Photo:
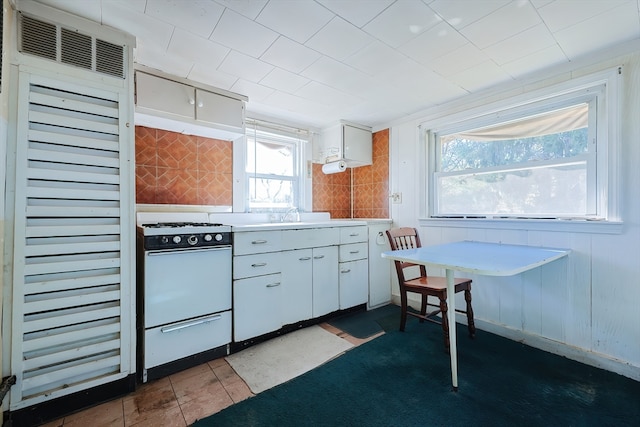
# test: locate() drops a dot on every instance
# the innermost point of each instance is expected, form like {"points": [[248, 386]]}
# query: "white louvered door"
{"points": [[72, 281]]}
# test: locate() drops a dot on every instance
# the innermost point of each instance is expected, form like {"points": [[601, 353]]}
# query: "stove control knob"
{"points": [[192, 240], [218, 237], [164, 240], [208, 237], [177, 239]]}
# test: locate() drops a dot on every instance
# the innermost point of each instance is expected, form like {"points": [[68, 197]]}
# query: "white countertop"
{"points": [[298, 225]]}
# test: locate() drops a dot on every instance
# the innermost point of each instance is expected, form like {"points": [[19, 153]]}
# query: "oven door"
{"points": [[184, 284]]}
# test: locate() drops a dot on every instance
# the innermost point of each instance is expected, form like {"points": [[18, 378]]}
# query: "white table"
{"points": [[491, 259]]}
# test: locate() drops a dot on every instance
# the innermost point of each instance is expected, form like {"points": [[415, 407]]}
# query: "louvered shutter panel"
{"points": [[71, 325]]}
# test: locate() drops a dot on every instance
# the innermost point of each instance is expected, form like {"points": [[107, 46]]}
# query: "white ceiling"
{"points": [[371, 62]]}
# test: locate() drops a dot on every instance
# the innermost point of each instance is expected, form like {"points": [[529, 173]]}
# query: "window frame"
{"points": [[605, 85], [299, 138]]}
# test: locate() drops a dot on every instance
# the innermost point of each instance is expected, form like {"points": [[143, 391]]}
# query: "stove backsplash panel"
{"points": [[173, 168]]}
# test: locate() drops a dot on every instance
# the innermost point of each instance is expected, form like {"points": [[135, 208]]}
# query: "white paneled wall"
{"points": [[584, 307]]}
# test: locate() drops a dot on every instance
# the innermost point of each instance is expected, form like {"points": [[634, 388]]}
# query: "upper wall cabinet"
{"points": [[181, 107], [346, 141]]}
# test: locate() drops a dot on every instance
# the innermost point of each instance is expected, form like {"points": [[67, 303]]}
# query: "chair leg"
{"points": [[403, 309], [445, 322], [470, 323], [423, 308]]}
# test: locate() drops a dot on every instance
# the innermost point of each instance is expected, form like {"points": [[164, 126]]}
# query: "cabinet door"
{"points": [[354, 283], [297, 289], [256, 306], [325, 280], [215, 109], [357, 145], [172, 99]]}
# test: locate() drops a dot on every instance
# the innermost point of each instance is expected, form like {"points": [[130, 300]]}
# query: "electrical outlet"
{"points": [[396, 197]]}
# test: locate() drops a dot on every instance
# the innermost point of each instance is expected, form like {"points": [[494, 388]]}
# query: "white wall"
{"points": [[585, 307]]}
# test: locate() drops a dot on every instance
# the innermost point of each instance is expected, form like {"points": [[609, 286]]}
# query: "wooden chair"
{"points": [[408, 238]]}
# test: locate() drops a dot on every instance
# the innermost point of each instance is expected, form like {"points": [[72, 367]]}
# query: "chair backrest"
{"points": [[404, 238]]}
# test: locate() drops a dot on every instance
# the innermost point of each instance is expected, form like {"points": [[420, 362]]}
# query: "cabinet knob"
{"points": [[200, 104], [192, 101]]}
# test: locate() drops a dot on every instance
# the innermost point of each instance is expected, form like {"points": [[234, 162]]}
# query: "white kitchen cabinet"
{"points": [[175, 104], [347, 141], [326, 285], [297, 285], [257, 306], [255, 242], [354, 267], [354, 283]]}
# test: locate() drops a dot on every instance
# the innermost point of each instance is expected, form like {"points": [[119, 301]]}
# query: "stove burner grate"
{"points": [[180, 224]]}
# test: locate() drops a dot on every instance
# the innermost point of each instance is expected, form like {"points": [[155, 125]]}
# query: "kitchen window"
{"points": [[272, 168], [547, 157]]}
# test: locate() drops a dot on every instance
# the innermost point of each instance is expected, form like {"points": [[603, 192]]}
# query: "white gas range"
{"points": [[184, 292]]}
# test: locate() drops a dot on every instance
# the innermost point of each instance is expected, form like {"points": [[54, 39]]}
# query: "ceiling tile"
{"points": [[537, 61], [245, 67], [460, 13], [255, 92], [148, 31], [303, 19], [290, 55], [401, 22], [250, 9], [375, 58], [358, 12], [242, 34], [89, 8], [159, 59], [481, 77], [527, 42], [200, 18], [284, 80], [339, 39], [463, 58], [614, 26], [188, 46], [564, 13], [335, 74], [327, 95], [208, 75], [505, 22], [433, 43]]}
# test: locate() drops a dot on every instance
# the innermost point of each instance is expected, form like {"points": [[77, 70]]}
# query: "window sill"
{"points": [[558, 225]]}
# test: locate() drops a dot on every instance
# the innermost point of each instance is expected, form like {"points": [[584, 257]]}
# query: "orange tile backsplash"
{"points": [[173, 168]]}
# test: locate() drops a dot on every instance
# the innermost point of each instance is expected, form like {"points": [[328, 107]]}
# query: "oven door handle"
{"points": [[196, 322], [179, 251]]}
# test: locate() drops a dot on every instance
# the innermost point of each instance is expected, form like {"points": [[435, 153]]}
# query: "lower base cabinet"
{"points": [[297, 286], [326, 283], [257, 306], [354, 283]]}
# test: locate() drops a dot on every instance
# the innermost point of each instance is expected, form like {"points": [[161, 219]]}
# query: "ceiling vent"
{"points": [[68, 46]]}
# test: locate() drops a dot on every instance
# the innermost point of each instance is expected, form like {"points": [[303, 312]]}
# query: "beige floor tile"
{"points": [[109, 414], [149, 401], [203, 369], [193, 387], [169, 418], [217, 362], [226, 374], [203, 406], [239, 391]]}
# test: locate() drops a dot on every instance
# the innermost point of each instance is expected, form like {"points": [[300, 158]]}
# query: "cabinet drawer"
{"points": [[174, 341], [256, 265], [353, 234], [255, 242], [310, 238], [353, 251]]}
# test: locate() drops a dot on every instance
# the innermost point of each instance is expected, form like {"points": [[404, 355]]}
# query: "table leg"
{"points": [[451, 313]]}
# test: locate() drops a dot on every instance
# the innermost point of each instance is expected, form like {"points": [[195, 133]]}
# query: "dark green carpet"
{"points": [[363, 324], [403, 379]]}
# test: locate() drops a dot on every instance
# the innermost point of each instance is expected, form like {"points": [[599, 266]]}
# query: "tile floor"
{"points": [[177, 400]]}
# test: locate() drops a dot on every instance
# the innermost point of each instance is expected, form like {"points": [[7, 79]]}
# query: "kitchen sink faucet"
{"points": [[285, 216]]}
